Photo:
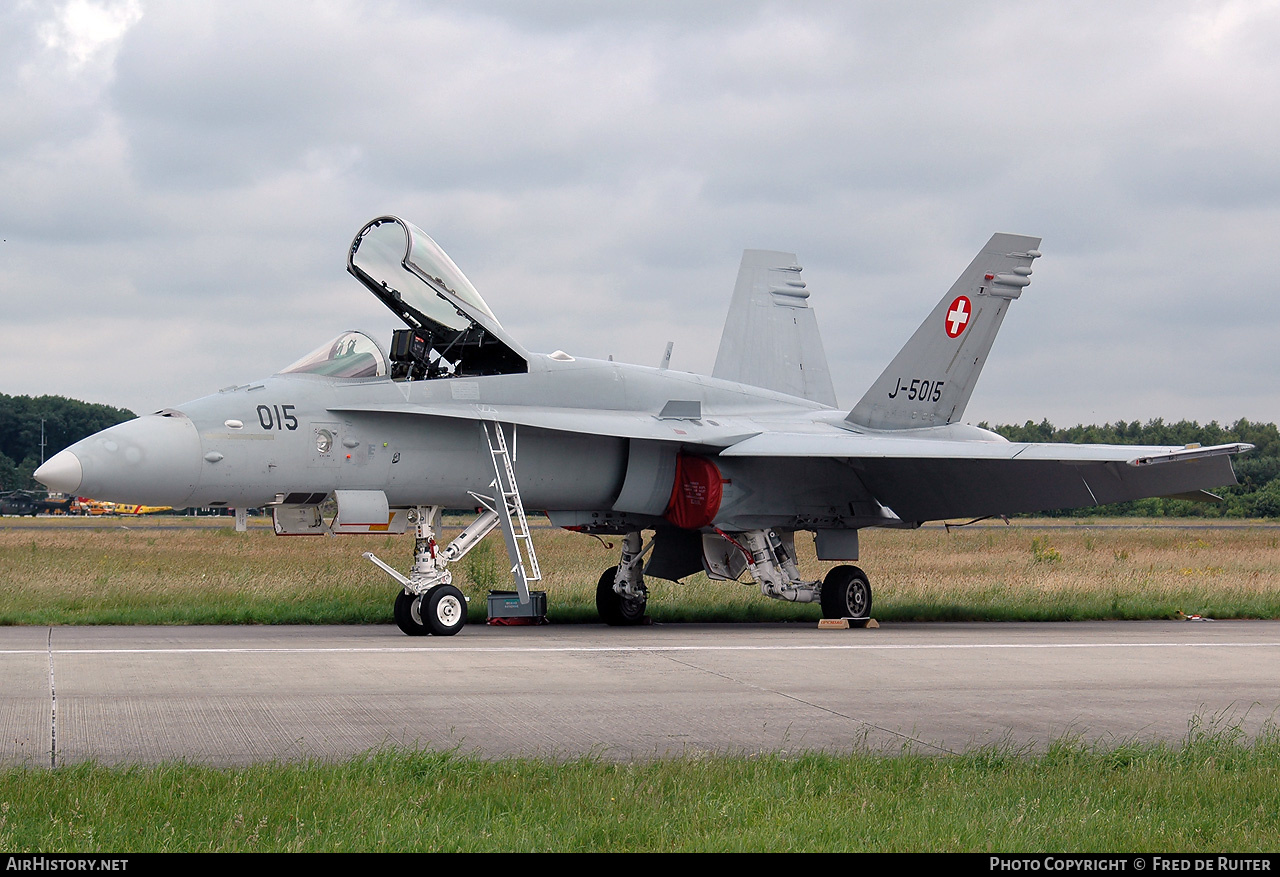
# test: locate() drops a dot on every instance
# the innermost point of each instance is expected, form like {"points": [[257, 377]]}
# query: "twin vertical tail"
{"points": [[770, 334], [931, 379]]}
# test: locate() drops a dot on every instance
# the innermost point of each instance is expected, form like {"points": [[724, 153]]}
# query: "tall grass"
{"points": [[207, 574]]}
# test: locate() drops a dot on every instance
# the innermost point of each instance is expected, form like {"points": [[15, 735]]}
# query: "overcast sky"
{"points": [[179, 183]]}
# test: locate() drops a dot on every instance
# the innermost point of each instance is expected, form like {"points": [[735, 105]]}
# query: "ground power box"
{"points": [[505, 608]]}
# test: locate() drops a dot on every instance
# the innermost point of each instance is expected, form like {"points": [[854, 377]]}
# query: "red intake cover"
{"points": [[695, 497]]}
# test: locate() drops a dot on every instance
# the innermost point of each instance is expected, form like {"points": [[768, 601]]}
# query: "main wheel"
{"points": [[408, 614], [613, 608], [444, 610], [846, 593]]}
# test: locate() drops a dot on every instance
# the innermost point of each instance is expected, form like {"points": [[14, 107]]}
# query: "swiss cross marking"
{"points": [[958, 316]]}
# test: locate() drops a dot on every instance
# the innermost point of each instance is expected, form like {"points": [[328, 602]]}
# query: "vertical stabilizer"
{"points": [[770, 335], [931, 379]]}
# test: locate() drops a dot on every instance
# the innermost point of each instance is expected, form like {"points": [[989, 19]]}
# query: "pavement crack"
{"points": [[817, 706], [53, 709]]}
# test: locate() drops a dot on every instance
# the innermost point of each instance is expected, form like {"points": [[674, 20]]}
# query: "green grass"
{"points": [[1215, 792], [205, 573]]}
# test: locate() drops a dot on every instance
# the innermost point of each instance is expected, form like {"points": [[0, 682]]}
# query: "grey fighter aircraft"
{"points": [[722, 470]]}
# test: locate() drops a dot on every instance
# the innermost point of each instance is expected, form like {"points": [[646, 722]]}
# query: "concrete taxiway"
{"points": [[236, 695]]}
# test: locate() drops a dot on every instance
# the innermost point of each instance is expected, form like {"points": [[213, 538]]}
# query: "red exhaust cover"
{"points": [[696, 495]]}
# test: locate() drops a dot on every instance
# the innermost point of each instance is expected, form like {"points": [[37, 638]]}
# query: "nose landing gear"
{"points": [[442, 611], [429, 602]]}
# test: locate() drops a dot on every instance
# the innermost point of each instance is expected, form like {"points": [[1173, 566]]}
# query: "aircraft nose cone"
{"points": [[150, 460], [61, 473]]}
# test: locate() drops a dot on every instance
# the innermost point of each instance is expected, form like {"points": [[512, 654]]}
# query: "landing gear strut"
{"points": [[621, 595], [770, 557], [429, 602]]}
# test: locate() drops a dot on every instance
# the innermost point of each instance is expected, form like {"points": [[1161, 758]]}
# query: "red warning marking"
{"points": [[958, 316]]}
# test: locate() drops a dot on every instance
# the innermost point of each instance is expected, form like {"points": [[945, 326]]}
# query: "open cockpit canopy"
{"points": [[451, 329]]}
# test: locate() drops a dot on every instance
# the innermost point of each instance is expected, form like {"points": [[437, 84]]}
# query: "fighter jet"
{"points": [[695, 473]]}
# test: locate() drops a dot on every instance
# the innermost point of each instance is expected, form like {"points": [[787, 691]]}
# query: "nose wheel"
{"points": [[408, 613], [442, 611]]}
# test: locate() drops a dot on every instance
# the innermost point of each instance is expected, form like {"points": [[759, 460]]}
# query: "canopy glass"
{"points": [[350, 355], [409, 273]]}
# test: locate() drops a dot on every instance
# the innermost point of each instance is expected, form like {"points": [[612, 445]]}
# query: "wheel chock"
{"points": [[843, 623]]}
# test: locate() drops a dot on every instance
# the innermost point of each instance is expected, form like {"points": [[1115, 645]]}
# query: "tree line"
{"points": [[1256, 496], [66, 421]]}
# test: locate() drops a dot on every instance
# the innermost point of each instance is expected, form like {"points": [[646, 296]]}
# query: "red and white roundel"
{"points": [[958, 315]]}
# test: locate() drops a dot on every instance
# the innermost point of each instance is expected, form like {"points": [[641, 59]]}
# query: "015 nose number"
{"points": [[283, 417]]}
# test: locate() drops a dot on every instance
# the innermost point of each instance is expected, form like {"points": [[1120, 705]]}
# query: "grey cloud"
{"points": [[597, 169]]}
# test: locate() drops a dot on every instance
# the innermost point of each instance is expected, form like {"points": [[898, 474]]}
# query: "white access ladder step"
{"points": [[515, 526]]}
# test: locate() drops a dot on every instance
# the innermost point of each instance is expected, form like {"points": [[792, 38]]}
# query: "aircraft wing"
{"points": [[619, 424], [928, 479]]}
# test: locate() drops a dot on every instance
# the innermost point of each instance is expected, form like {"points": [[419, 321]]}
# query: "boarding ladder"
{"points": [[515, 526]]}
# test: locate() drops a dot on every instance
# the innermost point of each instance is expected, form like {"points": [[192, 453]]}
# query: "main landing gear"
{"points": [[621, 595], [769, 555], [846, 593], [771, 559]]}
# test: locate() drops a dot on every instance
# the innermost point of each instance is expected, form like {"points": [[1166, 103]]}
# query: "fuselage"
{"points": [[577, 428]]}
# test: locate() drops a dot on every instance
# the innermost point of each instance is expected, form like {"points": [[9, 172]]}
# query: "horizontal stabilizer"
{"points": [[1196, 496], [770, 337], [931, 379]]}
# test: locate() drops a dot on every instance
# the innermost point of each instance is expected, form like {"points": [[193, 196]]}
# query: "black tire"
{"points": [[444, 610], [408, 614], [846, 593], [615, 611]]}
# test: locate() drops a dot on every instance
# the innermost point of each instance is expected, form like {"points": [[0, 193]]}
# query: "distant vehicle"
{"points": [[24, 502], [124, 509], [94, 507], [723, 469]]}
